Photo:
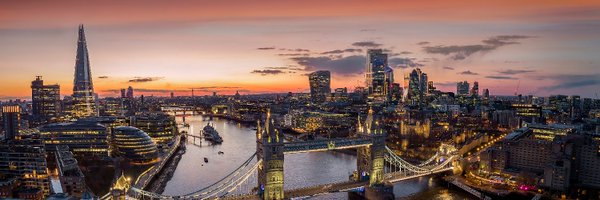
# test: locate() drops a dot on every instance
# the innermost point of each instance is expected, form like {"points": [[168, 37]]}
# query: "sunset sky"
{"points": [[544, 46]]}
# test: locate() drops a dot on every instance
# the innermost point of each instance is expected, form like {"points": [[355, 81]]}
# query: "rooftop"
{"points": [[73, 125]]}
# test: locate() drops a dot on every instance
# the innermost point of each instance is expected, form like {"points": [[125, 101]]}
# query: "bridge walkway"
{"points": [[324, 189]]}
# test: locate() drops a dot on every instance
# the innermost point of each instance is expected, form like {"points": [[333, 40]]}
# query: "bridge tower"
{"points": [[120, 187], [269, 149], [370, 160]]}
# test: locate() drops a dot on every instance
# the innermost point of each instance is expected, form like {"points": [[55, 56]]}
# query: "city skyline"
{"points": [[527, 47], [233, 99]]}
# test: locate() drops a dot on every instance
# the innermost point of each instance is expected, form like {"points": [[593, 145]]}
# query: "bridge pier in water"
{"points": [[371, 160]]}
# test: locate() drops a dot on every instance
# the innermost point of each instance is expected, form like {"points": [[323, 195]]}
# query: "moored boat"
{"points": [[211, 134]]}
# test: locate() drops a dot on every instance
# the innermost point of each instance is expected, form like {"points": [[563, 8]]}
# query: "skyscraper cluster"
{"points": [[462, 88]]}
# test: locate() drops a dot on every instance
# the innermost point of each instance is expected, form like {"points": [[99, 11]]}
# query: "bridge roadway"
{"points": [[325, 145], [474, 192], [324, 189], [336, 187], [309, 191], [394, 177]]}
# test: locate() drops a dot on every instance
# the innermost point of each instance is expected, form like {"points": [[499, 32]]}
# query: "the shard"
{"points": [[84, 104]]}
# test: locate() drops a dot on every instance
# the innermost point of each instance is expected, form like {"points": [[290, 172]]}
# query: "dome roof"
{"points": [[134, 144]]}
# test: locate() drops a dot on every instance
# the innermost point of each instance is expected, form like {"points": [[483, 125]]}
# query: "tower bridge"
{"points": [[377, 166]]}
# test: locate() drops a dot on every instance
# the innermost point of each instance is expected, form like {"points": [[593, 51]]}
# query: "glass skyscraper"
{"points": [[320, 86], [377, 62], [462, 88], [84, 104]]}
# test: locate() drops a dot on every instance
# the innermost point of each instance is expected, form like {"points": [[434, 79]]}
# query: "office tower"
{"points": [[486, 94], [589, 162], [586, 106], [529, 113], [375, 72], [83, 137], [396, 92], [123, 92], [26, 160], [111, 106], [45, 101], [559, 103], [389, 81], [417, 85], [462, 88], [130, 92], [159, 126], [11, 116], [575, 107], [84, 104], [430, 87], [405, 86], [475, 89], [319, 86], [173, 95], [423, 80]]}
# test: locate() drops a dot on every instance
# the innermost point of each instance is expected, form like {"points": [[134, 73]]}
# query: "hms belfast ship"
{"points": [[211, 134]]}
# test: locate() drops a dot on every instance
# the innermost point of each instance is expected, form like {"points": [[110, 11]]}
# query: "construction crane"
{"points": [[517, 90]]}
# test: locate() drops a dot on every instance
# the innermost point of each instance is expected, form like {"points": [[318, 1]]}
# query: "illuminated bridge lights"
{"points": [[396, 169], [325, 145]]}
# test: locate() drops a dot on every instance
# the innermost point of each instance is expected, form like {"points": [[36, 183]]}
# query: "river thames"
{"points": [[301, 170]]}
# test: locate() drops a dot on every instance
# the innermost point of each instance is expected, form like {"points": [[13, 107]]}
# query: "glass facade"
{"points": [[133, 144], [82, 137], [159, 126], [320, 86], [377, 61], [84, 103]]}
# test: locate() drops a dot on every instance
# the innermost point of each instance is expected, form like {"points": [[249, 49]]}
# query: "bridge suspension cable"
{"points": [[235, 178], [394, 159], [425, 167], [428, 161]]}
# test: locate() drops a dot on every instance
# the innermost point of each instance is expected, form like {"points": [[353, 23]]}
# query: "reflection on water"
{"points": [[301, 170]]}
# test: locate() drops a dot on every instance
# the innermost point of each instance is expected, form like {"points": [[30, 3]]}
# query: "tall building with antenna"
{"points": [[84, 104]]}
